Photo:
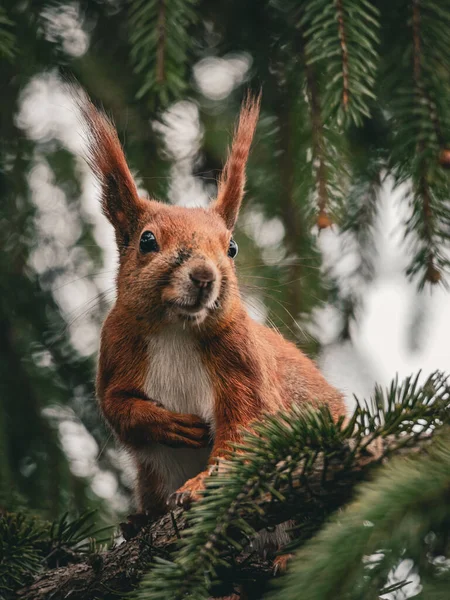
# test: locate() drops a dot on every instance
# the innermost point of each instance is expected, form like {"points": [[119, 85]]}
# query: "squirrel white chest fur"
{"points": [[176, 376], [178, 380]]}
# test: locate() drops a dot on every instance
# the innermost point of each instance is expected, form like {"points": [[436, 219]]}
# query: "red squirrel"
{"points": [[183, 367]]}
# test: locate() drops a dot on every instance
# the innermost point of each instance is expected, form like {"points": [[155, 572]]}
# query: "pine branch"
{"points": [[294, 464], [8, 47], [327, 155], [160, 44], [302, 451], [417, 78], [28, 544], [295, 221], [19, 556], [357, 240], [343, 39], [318, 147], [328, 151], [403, 515], [423, 191], [105, 575]]}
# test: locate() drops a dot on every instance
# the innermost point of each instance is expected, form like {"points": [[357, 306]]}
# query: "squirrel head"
{"points": [[176, 264]]}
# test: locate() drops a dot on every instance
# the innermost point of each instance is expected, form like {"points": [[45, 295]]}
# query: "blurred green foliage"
{"points": [[29, 545]]}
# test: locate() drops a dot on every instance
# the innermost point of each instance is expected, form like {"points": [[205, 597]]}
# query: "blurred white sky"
{"points": [[381, 345], [400, 330]]}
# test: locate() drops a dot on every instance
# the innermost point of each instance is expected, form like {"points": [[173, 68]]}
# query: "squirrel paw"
{"points": [[280, 563], [188, 493], [179, 500]]}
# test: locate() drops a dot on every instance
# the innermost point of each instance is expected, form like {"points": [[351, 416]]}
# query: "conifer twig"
{"points": [[160, 52], [318, 147], [399, 516], [343, 40]]}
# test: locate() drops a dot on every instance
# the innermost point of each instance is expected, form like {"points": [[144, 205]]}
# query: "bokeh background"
{"points": [[172, 75]]}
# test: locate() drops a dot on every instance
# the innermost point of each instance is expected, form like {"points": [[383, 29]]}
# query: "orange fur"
{"points": [[120, 201], [247, 369], [232, 181]]}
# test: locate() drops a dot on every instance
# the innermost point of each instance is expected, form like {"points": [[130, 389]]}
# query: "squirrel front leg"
{"points": [[229, 426], [138, 421]]}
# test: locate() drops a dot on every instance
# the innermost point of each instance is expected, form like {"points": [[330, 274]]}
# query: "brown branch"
{"points": [[290, 213], [119, 570], [433, 274], [416, 42], [160, 51], [318, 144], [421, 90], [344, 49]]}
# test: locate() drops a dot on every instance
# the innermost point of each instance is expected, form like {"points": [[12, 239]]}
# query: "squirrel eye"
{"points": [[148, 243], [232, 249]]}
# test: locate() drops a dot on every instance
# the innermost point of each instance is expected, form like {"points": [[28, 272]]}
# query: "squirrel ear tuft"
{"points": [[120, 201], [232, 181]]}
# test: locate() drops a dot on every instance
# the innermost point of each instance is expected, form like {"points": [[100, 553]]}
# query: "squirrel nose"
{"points": [[202, 276]]}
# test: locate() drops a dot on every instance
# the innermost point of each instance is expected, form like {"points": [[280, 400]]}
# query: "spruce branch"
{"points": [[357, 240], [19, 556], [359, 217], [318, 148], [28, 545], [299, 464], [420, 88], [160, 44], [403, 514], [285, 193], [423, 190], [8, 47], [326, 157], [327, 149], [298, 240], [295, 455], [160, 66], [343, 39], [419, 71]]}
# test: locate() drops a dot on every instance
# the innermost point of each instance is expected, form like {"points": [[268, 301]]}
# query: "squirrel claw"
{"points": [[280, 563], [188, 493], [179, 500]]}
